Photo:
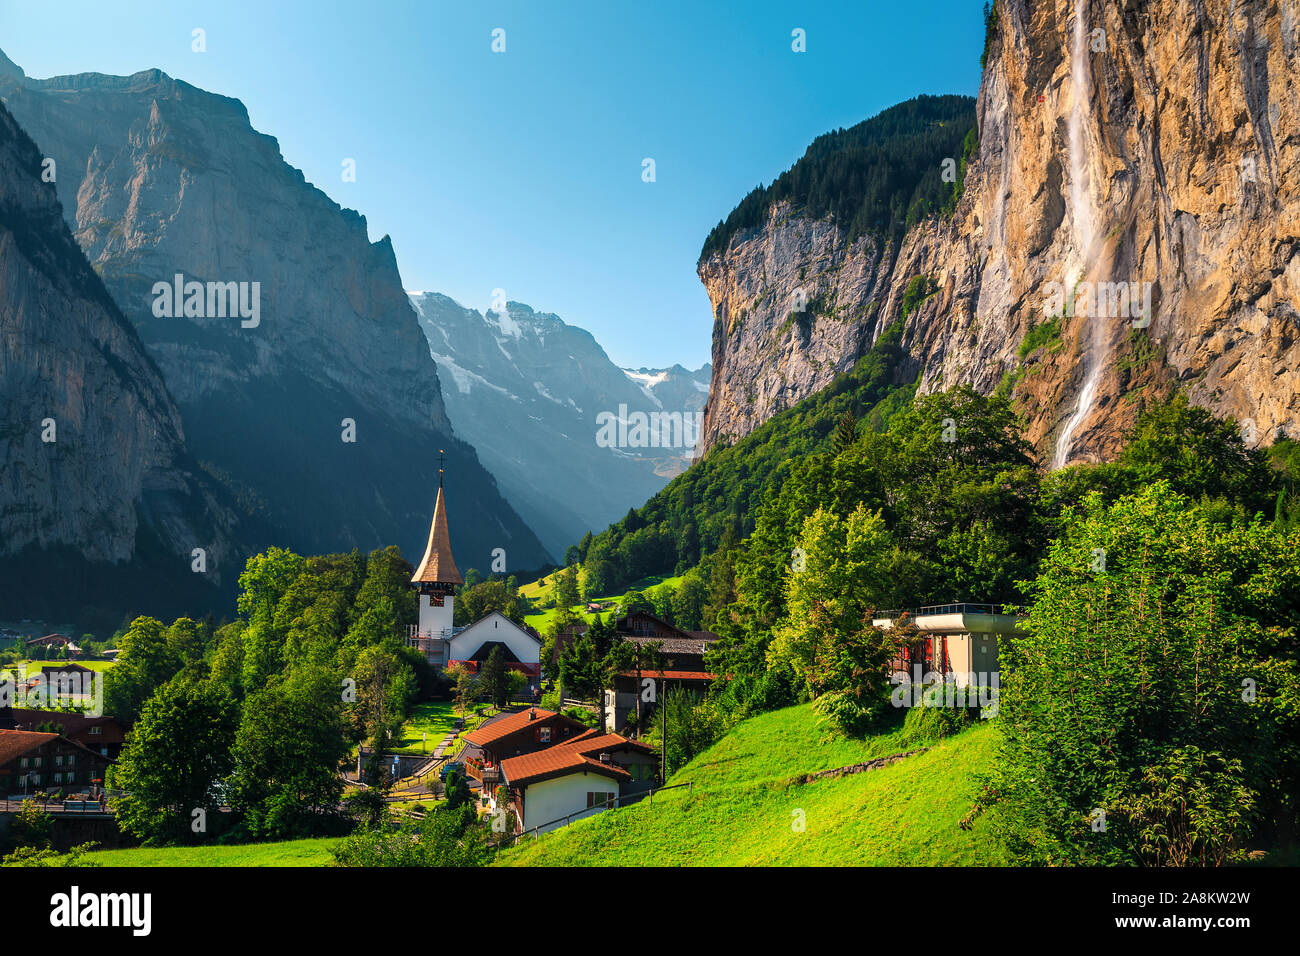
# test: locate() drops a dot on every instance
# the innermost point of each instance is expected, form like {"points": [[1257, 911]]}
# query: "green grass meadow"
{"points": [[314, 852], [745, 809], [540, 594]]}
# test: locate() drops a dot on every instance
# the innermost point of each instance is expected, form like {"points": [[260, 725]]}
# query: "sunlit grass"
{"points": [[745, 811], [312, 852]]}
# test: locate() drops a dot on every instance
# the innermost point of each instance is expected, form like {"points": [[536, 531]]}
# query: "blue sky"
{"points": [[522, 170]]}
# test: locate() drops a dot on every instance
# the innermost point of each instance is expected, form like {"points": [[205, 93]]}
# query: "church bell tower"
{"points": [[436, 577]]}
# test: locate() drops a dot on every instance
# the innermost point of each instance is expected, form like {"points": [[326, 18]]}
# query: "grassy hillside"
{"points": [[288, 853], [744, 804], [690, 517], [542, 593]]}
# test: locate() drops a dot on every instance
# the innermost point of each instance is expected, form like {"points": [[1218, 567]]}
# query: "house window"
{"points": [[22, 764], [58, 760], [599, 798], [544, 735], [97, 729]]}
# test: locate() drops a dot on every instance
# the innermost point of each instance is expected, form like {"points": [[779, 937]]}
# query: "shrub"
{"points": [[31, 826], [924, 725]]}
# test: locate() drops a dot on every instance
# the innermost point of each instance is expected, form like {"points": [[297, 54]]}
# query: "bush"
{"points": [[31, 826], [45, 857], [1151, 706], [923, 725], [446, 837]]}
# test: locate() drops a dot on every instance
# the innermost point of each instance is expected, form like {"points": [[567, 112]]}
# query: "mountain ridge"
{"points": [[1083, 171], [528, 390], [100, 490], [152, 169]]}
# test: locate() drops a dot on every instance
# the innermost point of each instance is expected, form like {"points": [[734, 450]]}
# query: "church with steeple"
{"points": [[436, 635]]}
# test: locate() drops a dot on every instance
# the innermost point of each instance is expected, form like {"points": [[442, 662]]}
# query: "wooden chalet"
{"points": [[568, 781], [522, 733]]}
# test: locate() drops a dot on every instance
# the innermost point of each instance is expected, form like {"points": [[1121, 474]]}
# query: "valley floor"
{"points": [[746, 808], [315, 852]]}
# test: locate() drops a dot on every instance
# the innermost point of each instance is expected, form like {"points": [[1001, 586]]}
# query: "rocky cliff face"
{"points": [[94, 472], [315, 400], [1152, 146], [794, 304], [528, 391]]}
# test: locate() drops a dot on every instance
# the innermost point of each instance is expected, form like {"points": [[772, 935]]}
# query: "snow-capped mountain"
{"points": [[676, 387], [531, 392]]}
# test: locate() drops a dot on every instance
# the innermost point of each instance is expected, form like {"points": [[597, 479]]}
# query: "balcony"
{"points": [[485, 772]]}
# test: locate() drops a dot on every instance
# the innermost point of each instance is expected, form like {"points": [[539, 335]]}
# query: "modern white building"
{"points": [[959, 642]]}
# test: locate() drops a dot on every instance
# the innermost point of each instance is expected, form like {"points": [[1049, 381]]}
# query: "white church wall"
{"points": [[496, 627]]}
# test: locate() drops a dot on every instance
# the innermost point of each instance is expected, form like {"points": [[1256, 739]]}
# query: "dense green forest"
{"points": [[876, 178], [716, 499], [1157, 682], [259, 713]]}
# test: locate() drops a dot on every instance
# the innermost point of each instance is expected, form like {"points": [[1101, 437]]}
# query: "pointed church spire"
{"points": [[438, 566]]}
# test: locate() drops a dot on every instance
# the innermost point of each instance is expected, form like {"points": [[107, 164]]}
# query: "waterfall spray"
{"points": [[1084, 226]]}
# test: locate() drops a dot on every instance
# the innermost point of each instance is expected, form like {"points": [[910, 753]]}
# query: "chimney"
{"points": [[532, 714]]}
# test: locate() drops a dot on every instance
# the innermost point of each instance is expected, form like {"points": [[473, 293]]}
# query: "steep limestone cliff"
{"points": [[95, 478], [159, 178], [1154, 146]]}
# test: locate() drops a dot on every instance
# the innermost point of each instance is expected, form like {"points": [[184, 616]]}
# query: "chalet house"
{"points": [[682, 650], [31, 761], [523, 733], [569, 781], [55, 642], [68, 679], [103, 735]]}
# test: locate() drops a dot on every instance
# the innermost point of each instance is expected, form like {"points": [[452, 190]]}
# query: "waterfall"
{"points": [[1084, 226]]}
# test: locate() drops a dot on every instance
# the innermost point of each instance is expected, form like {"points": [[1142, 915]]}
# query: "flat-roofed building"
{"points": [[959, 642]]}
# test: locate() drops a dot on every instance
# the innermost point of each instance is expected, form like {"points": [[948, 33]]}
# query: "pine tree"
{"points": [[846, 432]]}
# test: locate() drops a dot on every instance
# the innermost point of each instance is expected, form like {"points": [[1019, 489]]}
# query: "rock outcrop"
{"points": [[1154, 148], [96, 482], [322, 412]]}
